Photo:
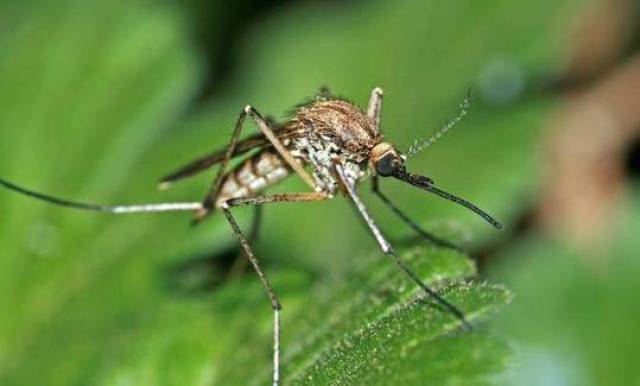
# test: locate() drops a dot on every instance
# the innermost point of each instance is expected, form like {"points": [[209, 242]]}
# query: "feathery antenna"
{"points": [[422, 143]]}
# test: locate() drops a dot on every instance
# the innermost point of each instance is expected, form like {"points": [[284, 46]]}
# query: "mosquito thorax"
{"points": [[329, 132], [339, 123], [384, 159]]}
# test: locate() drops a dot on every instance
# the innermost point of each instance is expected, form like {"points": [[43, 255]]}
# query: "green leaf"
{"points": [[370, 323], [89, 91], [389, 332]]}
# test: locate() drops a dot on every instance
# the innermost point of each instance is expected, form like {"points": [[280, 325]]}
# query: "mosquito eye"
{"points": [[387, 165]]}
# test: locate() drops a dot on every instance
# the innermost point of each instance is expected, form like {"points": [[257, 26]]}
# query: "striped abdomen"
{"points": [[253, 175]]}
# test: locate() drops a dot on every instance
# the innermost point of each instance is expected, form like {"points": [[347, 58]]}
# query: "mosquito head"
{"points": [[385, 160]]}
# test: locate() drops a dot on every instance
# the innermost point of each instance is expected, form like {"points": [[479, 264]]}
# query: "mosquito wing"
{"points": [[257, 141]]}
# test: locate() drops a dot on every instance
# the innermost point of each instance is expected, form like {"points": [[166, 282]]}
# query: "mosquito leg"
{"points": [[113, 209], [283, 151], [421, 232], [239, 264], [211, 196], [387, 249], [273, 198], [375, 107], [248, 251], [273, 298]]}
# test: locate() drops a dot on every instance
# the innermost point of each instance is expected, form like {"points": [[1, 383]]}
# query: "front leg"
{"points": [[388, 250], [375, 186]]}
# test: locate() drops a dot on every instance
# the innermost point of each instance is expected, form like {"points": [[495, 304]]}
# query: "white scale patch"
{"points": [[320, 153], [246, 183]]}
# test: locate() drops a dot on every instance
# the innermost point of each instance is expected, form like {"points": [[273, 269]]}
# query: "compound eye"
{"points": [[388, 164]]}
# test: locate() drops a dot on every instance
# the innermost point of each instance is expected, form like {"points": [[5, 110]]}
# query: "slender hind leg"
{"points": [[248, 251], [113, 209]]}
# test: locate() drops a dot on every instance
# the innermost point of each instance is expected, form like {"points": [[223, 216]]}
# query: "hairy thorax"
{"points": [[335, 131]]}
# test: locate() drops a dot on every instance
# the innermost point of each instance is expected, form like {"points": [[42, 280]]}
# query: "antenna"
{"points": [[422, 143], [118, 209]]}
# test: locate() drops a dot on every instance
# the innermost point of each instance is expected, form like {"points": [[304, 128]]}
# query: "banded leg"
{"points": [[113, 209], [248, 251], [209, 201], [239, 263], [387, 249], [421, 232], [375, 108]]}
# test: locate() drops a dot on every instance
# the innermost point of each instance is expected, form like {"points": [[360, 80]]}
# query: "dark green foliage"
{"points": [[97, 103], [387, 335]]}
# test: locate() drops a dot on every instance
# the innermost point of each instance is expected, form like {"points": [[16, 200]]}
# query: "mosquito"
{"points": [[332, 145]]}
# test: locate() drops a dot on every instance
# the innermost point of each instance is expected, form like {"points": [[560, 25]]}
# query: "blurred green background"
{"points": [[98, 99]]}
